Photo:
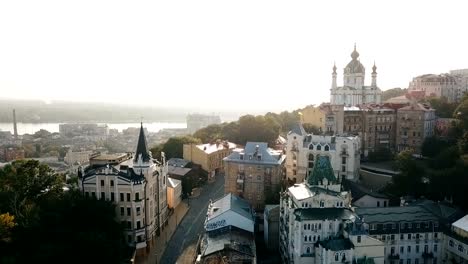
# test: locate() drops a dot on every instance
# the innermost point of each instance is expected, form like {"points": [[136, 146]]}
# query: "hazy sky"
{"points": [[241, 55]]}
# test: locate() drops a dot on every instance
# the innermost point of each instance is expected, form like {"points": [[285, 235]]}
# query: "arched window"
{"points": [[320, 226], [310, 238], [305, 238], [327, 148], [319, 147], [308, 250], [336, 256], [305, 227], [311, 146], [322, 204], [341, 204], [308, 226], [314, 238]]}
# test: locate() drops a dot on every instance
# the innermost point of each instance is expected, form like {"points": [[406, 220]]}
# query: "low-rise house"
{"points": [[174, 192], [457, 241], [187, 176], [363, 197], [229, 232], [209, 156]]}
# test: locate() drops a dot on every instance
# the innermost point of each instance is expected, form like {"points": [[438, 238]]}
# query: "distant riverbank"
{"points": [[31, 128]]}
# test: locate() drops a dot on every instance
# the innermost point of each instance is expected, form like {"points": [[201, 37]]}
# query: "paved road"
{"points": [[192, 225]]}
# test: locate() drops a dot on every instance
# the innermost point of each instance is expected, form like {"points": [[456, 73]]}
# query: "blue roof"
{"points": [[257, 153]]}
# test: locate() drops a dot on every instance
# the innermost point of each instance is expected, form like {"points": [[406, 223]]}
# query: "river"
{"points": [[31, 128]]}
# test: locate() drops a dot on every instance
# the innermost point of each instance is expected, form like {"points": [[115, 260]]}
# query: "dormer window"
{"points": [[259, 157]]}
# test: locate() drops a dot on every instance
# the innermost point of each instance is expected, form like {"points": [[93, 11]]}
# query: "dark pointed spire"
{"points": [[334, 68], [374, 68], [355, 54], [142, 147]]}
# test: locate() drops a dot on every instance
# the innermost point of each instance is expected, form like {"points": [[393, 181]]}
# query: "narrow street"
{"points": [[192, 225]]}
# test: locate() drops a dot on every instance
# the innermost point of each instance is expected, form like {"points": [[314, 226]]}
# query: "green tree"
{"points": [[174, 147], [23, 184], [390, 93], [410, 179], [7, 223], [442, 106], [210, 133], [461, 113], [463, 143], [447, 158], [433, 146]]}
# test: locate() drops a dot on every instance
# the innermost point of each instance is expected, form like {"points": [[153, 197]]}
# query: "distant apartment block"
{"points": [[198, 121], [11, 153], [76, 129], [451, 85]]}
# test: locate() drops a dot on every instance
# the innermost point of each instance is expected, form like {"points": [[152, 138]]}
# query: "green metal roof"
{"points": [[322, 170]]}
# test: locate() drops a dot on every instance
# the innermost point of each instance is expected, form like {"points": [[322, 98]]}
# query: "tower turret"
{"points": [[374, 76], [334, 77]]}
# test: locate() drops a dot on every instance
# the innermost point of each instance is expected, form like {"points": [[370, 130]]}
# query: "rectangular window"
{"points": [[417, 248], [112, 197], [138, 210], [359, 239], [129, 225], [122, 211], [138, 225], [408, 261], [128, 197], [402, 249], [129, 211], [409, 236], [93, 194], [103, 195], [402, 237], [102, 182], [137, 196], [121, 197], [436, 235], [86, 194], [408, 249], [435, 247], [112, 182]]}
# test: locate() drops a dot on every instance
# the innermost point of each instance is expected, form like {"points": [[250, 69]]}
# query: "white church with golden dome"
{"points": [[354, 92]]}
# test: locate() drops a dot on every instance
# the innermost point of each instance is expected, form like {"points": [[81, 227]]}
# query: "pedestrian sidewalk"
{"points": [[156, 252]]}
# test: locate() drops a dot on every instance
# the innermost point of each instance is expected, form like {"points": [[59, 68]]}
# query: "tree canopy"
{"points": [[42, 223]]}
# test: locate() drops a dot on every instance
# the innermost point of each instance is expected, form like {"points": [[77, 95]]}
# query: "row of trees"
{"points": [[42, 223], [260, 128], [443, 175]]}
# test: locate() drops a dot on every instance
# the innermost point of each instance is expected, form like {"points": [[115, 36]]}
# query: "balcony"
{"points": [[394, 256], [427, 255]]}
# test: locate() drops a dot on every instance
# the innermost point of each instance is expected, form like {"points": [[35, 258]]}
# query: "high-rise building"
{"points": [[354, 92]]}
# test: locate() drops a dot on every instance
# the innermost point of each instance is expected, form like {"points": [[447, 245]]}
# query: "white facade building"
{"points": [[302, 150], [137, 186], [354, 92], [317, 224]]}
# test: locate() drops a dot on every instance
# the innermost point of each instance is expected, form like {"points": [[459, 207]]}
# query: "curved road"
{"points": [[192, 225]]}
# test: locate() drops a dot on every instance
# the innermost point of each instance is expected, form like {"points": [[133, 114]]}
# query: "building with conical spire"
{"points": [[354, 92], [136, 184]]}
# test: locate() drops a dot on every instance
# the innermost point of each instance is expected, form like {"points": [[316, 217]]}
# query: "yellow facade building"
{"points": [[209, 156]]}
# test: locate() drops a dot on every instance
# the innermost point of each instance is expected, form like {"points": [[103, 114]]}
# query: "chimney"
{"points": [[15, 129]]}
